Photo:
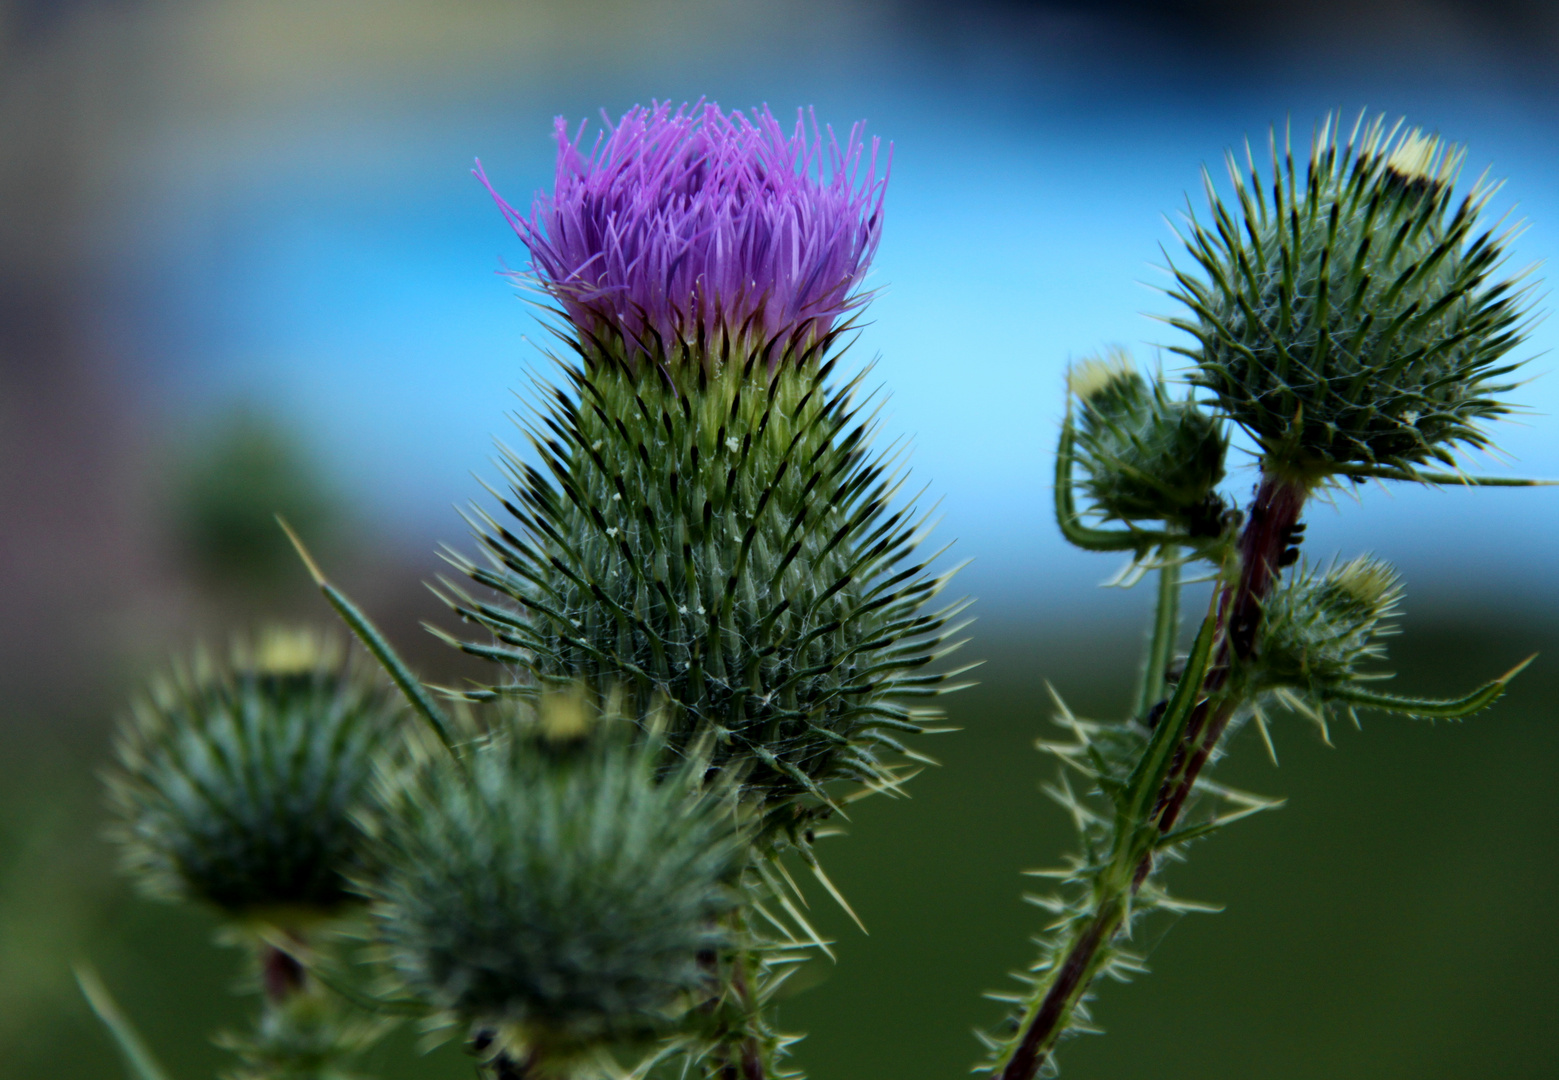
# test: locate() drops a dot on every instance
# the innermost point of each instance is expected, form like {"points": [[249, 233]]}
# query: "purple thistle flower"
{"points": [[697, 226]]}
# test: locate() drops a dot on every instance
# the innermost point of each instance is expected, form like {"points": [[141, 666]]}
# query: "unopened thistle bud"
{"points": [[1145, 456], [709, 524], [1353, 323], [310, 1036], [237, 783], [1319, 627], [558, 894]]}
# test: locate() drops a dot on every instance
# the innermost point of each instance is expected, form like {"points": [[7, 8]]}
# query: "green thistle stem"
{"points": [[746, 1052], [1072, 980], [1269, 529], [1166, 627], [745, 1056]]}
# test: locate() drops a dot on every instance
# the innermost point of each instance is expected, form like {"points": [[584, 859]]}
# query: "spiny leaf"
{"points": [[1146, 779], [138, 1058], [375, 642], [1432, 708]]}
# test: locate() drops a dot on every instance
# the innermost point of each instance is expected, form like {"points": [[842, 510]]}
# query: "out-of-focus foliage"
{"points": [[230, 483], [934, 877]]}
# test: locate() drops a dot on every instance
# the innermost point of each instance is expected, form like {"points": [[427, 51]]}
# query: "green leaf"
{"points": [[138, 1058], [1422, 476], [376, 643], [1148, 776], [1431, 708]]}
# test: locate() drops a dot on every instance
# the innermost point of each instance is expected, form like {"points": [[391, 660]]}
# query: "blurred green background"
{"points": [[1394, 920], [243, 269]]}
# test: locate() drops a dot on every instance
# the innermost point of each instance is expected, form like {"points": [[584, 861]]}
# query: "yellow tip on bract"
{"points": [[1417, 156], [564, 716], [1365, 580], [283, 650], [1088, 377]]}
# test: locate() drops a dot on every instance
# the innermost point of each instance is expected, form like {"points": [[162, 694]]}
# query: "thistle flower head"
{"points": [[237, 783], [694, 225], [1144, 455], [558, 893], [1354, 321], [709, 526]]}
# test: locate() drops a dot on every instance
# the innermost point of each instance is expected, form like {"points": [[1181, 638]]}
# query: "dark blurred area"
{"points": [[1394, 920], [1513, 26]]}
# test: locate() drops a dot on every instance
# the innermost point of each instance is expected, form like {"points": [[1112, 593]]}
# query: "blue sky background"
{"points": [[335, 264]]}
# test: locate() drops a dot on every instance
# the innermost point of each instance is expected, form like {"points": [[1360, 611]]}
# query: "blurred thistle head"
{"points": [[228, 485], [1353, 317], [237, 783], [311, 1035], [559, 893], [1318, 627], [694, 226], [1144, 455]]}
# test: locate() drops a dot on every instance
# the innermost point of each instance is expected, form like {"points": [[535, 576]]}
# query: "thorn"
{"points": [[817, 871], [1266, 736], [303, 552]]}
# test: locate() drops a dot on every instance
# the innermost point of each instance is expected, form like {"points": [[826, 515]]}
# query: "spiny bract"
{"points": [[1145, 456], [726, 541], [237, 784], [553, 886], [1354, 325]]}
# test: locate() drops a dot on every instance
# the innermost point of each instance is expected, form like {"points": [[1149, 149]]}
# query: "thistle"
{"points": [[709, 523], [237, 784], [552, 889], [1355, 324], [707, 609], [1318, 627], [698, 227], [1352, 329], [1144, 456]]}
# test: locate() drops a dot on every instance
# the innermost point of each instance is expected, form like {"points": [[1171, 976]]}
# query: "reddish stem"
{"points": [[1052, 1012], [752, 1055], [1269, 528], [280, 974]]}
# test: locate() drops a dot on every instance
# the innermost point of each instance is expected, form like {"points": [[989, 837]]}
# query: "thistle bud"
{"points": [[709, 525], [1145, 456], [237, 783], [311, 1036], [1353, 323], [1319, 627], [560, 899]]}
